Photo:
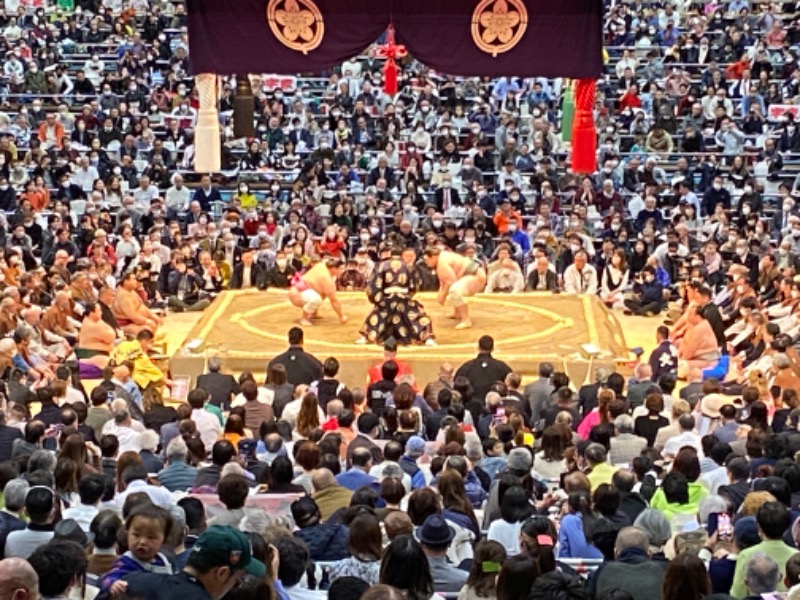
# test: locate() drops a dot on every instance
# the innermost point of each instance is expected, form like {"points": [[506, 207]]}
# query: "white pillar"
{"points": [[207, 141]]}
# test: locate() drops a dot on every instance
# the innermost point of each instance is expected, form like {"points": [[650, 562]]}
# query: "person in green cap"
{"points": [[218, 562]]}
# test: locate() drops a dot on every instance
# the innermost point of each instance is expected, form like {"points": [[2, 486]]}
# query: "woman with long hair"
{"points": [[74, 448], [283, 390], [686, 579], [308, 417], [234, 430], [614, 280], [66, 477], [537, 539], [456, 504], [598, 415], [404, 566], [549, 463], [516, 578], [515, 508], [573, 536], [365, 545], [482, 581], [125, 460]]}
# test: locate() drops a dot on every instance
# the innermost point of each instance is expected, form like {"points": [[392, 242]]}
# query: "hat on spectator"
{"points": [[435, 531], [711, 404], [415, 446], [520, 459], [745, 532], [223, 546], [304, 509], [69, 530], [508, 161]]}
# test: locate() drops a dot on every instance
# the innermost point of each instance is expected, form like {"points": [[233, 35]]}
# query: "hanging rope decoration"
{"points": [[568, 111], [390, 51], [584, 133]]}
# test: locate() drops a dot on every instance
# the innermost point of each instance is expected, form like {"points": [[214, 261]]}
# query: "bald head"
{"points": [[632, 537], [18, 580], [322, 479]]}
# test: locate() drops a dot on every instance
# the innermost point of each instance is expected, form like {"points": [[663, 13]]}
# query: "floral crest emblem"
{"points": [[297, 24], [498, 25]]}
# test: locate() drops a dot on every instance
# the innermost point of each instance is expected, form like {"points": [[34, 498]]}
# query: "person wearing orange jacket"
{"points": [[506, 215], [51, 132]]}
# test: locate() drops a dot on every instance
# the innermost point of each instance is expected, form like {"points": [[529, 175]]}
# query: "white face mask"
{"points": [[741, 251], [575, 248], [436, 223], [745, 210], [717, 186], [374, 230]]}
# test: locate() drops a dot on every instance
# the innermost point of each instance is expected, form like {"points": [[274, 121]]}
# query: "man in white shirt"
{"points": [[687, 437], [208, 426], [123, 427], [177, 197], [580, 277], [135, 480], [91, 489], [85, 175], [145, 193]]}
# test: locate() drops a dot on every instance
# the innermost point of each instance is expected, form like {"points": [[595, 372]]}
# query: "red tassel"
{"points": [[390, 51], [390, 77], [584, 133]]}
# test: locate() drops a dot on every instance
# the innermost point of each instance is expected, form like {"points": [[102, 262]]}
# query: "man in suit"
{"points": [[368, 430], [679, 408], [382, 171], [206, 194], [248, 274], [446, 197], [542, 278], [220, 387], [780, 219], [539, 392], [693, 392], [7, 437], [14, 495], [644, 381], [587, 394]]}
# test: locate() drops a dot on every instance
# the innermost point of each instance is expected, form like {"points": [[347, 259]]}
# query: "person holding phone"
{"points": [[720, 555]]}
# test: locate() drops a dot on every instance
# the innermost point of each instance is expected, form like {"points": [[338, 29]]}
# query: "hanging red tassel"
{"points": [[390, 51], [584, 133], [390, 77]]}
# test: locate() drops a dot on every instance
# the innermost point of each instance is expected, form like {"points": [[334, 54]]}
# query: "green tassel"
{"points": [[567, 113]]}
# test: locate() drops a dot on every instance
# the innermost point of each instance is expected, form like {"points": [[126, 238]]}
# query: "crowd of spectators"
{"points": [[472, 485]]}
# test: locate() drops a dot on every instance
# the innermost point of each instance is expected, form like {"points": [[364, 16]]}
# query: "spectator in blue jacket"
{"points": [[415, 447], [325, 541], [650, 293]]}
